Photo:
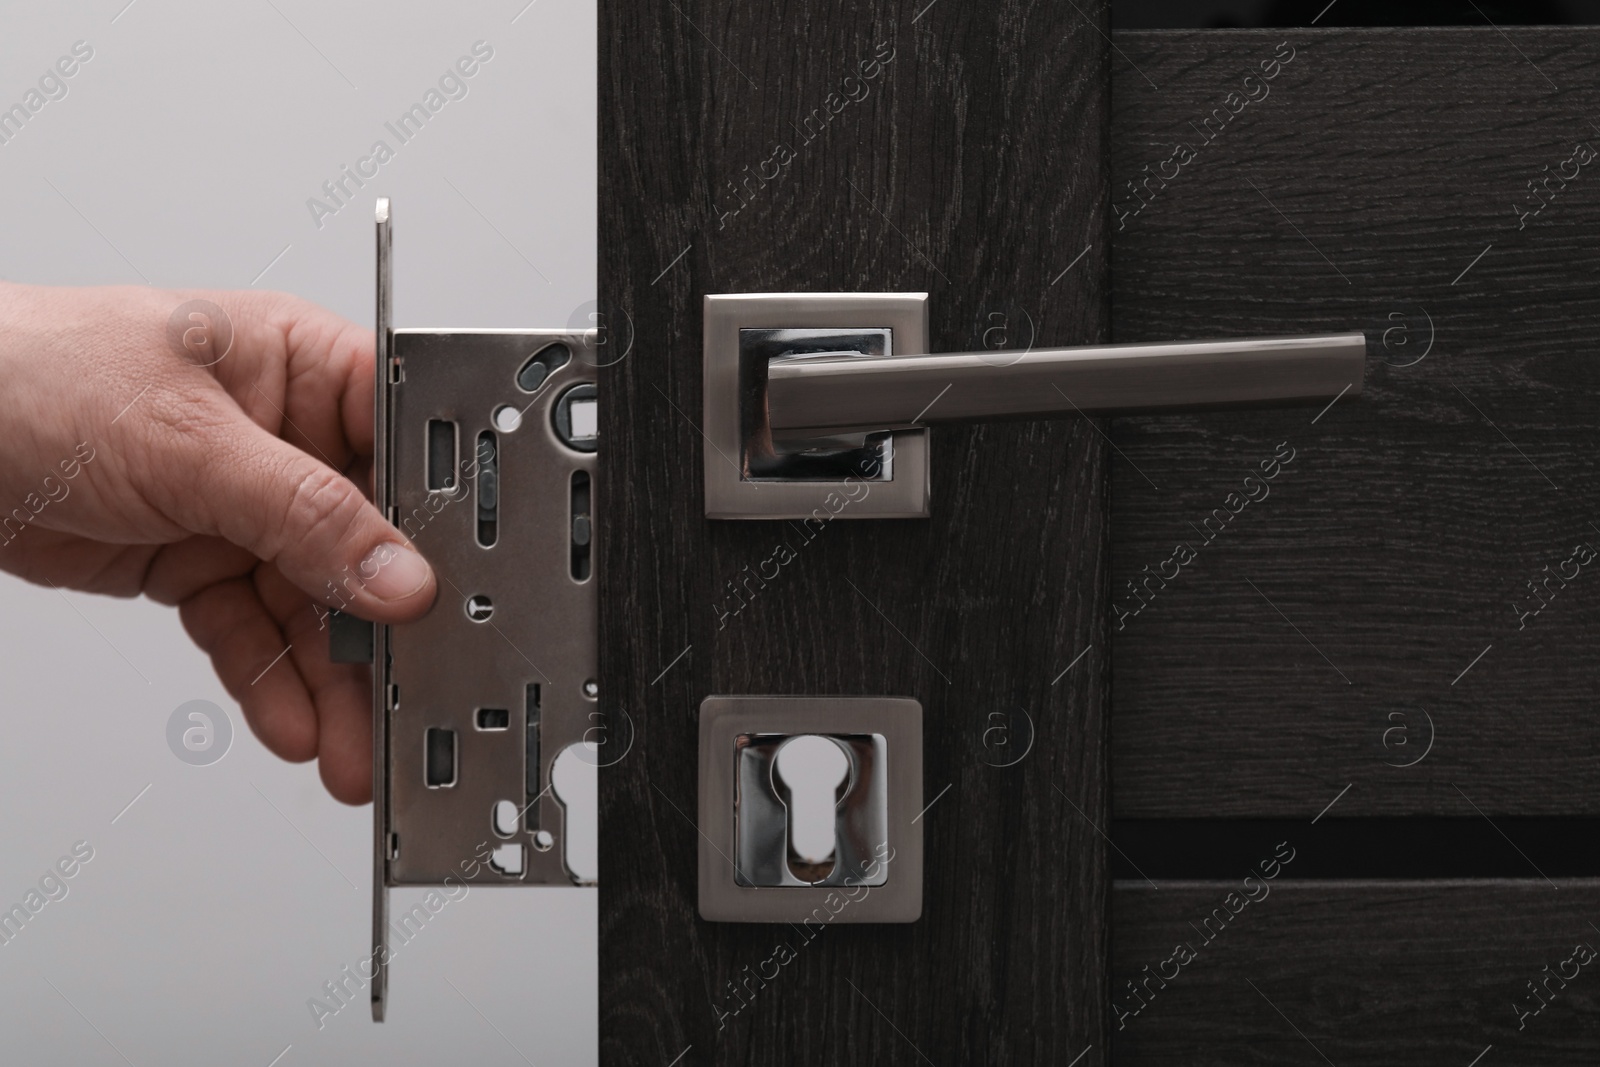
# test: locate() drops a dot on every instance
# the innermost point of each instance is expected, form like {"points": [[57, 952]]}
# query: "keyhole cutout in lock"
{"points": [[812, 777]]}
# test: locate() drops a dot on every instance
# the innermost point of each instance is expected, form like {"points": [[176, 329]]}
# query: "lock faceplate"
{"points": [[746, 873]]}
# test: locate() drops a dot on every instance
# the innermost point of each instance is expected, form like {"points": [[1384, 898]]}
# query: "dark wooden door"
{"points": [[953, 149], [1384, 655], [1342, 660]]}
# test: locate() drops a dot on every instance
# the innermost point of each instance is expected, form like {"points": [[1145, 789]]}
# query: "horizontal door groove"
{"points": [[1360, 848]]}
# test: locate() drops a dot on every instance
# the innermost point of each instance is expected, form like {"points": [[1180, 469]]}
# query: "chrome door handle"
{"points": [[816, 404], [826, 395]]}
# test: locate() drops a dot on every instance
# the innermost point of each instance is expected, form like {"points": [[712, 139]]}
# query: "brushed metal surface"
{"points": [[380, 637], [817, 396], [762, 820], [897, 721], [543, 625], [730, 490], [438, 671]]}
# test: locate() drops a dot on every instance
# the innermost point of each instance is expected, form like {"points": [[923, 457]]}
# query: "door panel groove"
{"points": [[1370, 848], [1361, 665]]}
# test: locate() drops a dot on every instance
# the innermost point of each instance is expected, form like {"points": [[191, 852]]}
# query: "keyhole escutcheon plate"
{"points": [[767, 852]]}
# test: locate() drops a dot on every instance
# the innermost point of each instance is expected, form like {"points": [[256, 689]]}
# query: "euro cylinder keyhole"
{"points": [[812, 778]]}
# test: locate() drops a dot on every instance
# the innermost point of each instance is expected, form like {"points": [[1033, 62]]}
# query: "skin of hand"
{"points": [[146, 449]]}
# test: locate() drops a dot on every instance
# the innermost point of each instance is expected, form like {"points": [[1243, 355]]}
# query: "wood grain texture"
{"points": [[1376, 178], [1355, 973], [972, 166]]}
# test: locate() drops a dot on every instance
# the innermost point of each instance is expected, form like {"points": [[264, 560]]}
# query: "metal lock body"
{"points": [[489, 687], [485, 459]]}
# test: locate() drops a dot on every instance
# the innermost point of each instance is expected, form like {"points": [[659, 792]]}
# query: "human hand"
{"points": [[210, 469]]}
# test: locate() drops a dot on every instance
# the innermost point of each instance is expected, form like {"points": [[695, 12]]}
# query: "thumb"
{"points": [[242, 483]]}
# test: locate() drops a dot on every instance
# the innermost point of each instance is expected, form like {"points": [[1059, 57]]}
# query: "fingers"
{"points": [[340, 692], [223, 475], [54, 558], [301, 370], [181, 570], [303, 373], [183, 451], [231, 625], [268, 647], [343, 697]]}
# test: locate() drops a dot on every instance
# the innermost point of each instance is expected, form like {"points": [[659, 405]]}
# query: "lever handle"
{"points": [[822, 395]]}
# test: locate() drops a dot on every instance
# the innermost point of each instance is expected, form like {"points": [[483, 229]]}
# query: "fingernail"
{"points": [[393, 571]]}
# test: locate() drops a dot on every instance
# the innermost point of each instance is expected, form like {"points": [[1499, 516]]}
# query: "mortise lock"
{"points": [[484, 458], [816, 403]]}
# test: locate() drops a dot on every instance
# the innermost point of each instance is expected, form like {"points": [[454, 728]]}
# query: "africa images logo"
{"points": [[199, 733], [52, 887]]}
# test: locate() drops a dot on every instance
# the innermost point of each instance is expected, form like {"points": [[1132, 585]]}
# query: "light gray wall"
{"points": [[183, 155]]}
